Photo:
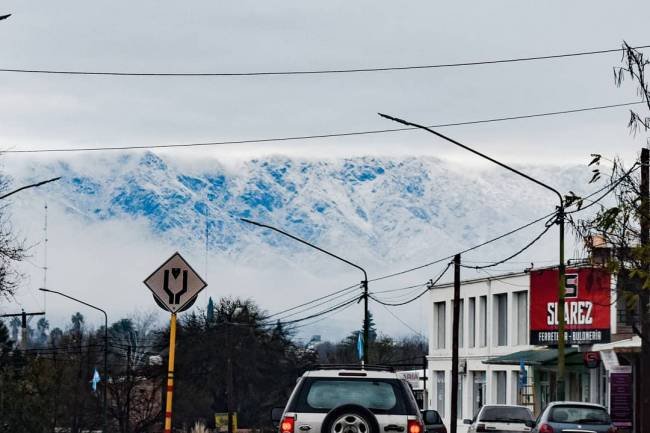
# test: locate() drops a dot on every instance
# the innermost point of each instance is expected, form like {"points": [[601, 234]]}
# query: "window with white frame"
{"points": [[501, 381], [471, 322], [482, 321], [440, 392], [501, 316], [461, 322], [521, 311], [439, 309]]}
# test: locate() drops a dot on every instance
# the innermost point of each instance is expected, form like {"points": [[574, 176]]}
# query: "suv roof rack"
{"points": [[350, 367]]}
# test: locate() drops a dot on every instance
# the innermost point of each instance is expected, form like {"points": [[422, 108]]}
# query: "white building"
{"points": [[495, 356]]}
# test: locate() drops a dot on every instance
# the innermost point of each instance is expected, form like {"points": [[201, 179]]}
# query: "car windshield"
{"points": [[579, 415], [505, 414]]}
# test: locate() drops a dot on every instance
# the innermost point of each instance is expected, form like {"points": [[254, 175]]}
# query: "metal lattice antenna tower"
{"points": [[45, 240], [207, 239]]}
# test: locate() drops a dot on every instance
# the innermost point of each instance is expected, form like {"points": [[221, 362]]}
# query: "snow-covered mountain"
{"points": [[392, 210], [114, 218]]}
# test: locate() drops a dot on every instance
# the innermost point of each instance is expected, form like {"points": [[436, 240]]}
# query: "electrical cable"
{"points": [[293, 328], [316, 136], [401, 296], [402, 322], [530, 244], [341, 305], [610, 187], [416, 268], [284, 317], [312, 301], [431, 284], [314, 72]]}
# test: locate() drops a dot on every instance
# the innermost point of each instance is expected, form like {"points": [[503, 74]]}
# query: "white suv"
{"points": [[335, 399]]}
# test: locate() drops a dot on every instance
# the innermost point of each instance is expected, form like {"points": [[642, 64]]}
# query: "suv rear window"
{"points": [[579, 414], [381, 396], [505, 413]]}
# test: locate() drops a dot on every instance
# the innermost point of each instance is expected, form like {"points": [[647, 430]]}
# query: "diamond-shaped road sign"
{"points": [[175, 283]]}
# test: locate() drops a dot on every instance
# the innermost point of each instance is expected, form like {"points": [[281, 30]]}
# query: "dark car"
{"points": [[433, 422], [570, 416]]}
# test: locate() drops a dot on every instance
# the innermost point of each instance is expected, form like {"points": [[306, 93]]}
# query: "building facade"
{"points": [[497, 363]]}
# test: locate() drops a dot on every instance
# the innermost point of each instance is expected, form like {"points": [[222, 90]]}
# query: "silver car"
{"points": [[574, 417], [501, 418], [350, 400]]}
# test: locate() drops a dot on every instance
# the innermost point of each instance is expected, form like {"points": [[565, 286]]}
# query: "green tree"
{"points": [[263, 360]]}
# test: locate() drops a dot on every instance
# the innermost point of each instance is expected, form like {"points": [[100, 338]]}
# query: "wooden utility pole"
{"points": [[24, 335], [644, 294], [453, 417]]}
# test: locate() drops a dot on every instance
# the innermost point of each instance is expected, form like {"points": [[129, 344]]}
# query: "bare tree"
{"points": [[622, 226], [11, 249]]}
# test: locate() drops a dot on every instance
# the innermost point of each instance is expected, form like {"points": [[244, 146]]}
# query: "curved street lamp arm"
{"points": [[482, 155], [78, 300], [34, 185], [365, 275]]}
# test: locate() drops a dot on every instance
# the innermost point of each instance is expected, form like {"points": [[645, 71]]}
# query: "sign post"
{"points": [[174, 286], [170, 374]]}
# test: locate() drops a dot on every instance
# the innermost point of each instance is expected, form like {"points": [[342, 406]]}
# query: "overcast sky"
{"points": [[45, 111], [54, 111]]}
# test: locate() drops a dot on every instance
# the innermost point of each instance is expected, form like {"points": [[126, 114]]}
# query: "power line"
{"points": [[325, 135], [402, 322], [314, 71], [312, 301], [434, 262], [528, 245], [430, 284], [293, 328], [312, 316], [284, 317]]}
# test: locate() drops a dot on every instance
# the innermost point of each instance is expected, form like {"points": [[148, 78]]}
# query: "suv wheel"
{"points": [[350, 418]]}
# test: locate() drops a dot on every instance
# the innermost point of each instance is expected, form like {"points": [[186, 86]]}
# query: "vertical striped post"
{"points": [[170, 374]]}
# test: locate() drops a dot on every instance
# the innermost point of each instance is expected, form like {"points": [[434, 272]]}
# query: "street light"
{"points": [[33, 185], [364, 283], [105, 348], [560, 213]]}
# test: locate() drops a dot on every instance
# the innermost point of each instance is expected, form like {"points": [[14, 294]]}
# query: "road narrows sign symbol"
{"points": [[175, 283]]}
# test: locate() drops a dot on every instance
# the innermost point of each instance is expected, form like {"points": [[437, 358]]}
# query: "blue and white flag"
{"points": [[360, 345], [95, 380]]}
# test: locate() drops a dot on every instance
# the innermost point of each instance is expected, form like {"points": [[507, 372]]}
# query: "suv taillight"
{"points": [[286, 426], [545, 428], [414, 426]]}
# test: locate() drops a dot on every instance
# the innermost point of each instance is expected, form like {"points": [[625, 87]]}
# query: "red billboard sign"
{"points": [[587, 306]]}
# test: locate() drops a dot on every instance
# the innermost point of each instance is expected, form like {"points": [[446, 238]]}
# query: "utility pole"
{"points": [[364, 283], [453, 418], [24, 335], [105, 409], [229, 381], [560, 222], [129, 387], [644, 295]]}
